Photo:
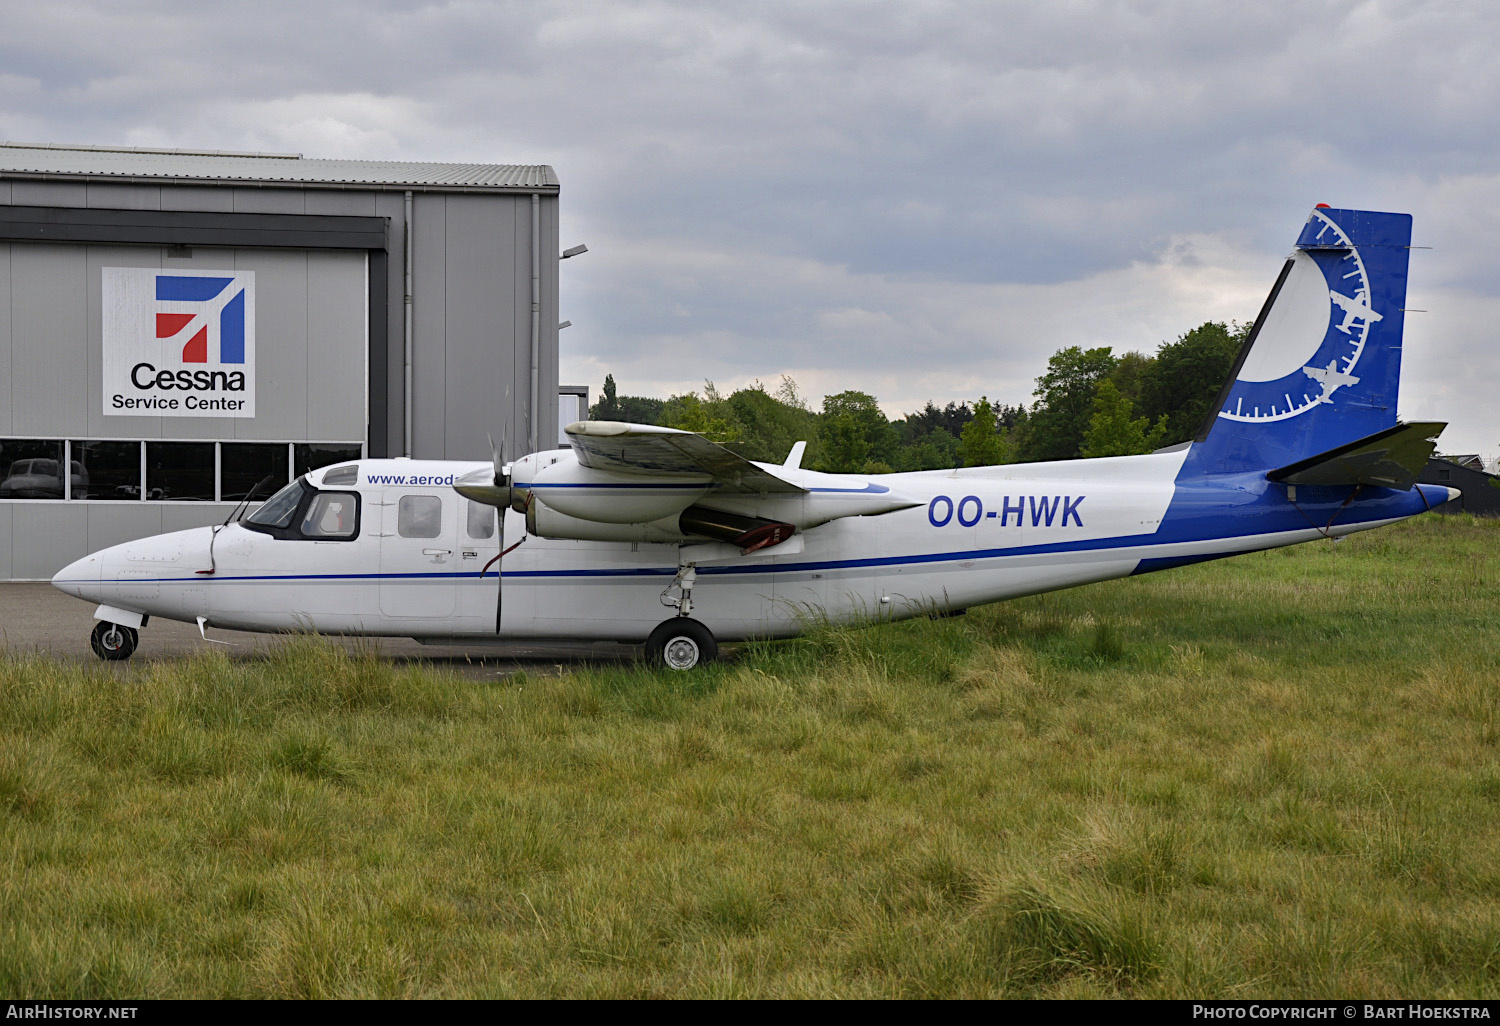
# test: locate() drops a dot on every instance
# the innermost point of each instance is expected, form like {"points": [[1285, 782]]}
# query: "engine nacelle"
{"points": [[545, 522], [610, 498]]}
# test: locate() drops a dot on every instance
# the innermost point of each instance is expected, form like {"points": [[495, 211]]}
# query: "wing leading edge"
{"points": [[647, 449]]}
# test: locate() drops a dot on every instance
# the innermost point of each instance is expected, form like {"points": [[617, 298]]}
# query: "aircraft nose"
{"points": [[80, 578]]}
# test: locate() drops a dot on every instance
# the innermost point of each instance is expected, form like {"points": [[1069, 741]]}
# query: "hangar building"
{"points": [[177, 327]]}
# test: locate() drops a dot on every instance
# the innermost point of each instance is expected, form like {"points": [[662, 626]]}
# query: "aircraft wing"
{"points": [[1392, 458], [660, 451]]}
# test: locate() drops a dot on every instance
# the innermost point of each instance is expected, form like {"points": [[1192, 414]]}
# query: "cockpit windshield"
{"points": [[278, 510]]}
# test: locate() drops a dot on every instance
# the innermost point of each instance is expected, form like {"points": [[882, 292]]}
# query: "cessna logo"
{"points": [[179, 344]]}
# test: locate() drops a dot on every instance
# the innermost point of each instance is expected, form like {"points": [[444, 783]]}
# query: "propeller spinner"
{"points": [[490, 486]]}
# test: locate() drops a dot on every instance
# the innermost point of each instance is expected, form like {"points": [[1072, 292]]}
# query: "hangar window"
{"points": [[331, 515], [251, 466], [107, 470], [419, 516], [115, 470], [481, 520], [180, 470], [30, 469]]}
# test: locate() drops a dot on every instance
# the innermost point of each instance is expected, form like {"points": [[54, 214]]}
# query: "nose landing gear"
{"points": [[112, 641]]}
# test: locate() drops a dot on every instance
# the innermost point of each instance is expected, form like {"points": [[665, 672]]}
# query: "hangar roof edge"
{"points": [[288, 169]]}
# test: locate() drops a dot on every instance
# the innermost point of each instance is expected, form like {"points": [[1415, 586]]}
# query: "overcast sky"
{"points": [[918, 200]]}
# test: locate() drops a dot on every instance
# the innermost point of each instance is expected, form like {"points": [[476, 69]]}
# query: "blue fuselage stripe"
{"points": [[1094, 545]]}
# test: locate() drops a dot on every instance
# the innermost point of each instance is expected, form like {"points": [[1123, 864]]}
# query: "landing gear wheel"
{"points": [[681, 644], [113, 641]]}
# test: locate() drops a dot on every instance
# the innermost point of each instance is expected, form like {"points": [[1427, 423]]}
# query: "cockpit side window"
{"points": [[331, 515]]}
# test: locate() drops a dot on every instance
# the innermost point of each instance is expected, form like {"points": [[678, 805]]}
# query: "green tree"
{"points": [[634, 409], [937, 450], [1187, 375], [608, 406], [1065, 402], [981, 444], [843, 447], [853, 430], [709, 416], [770, 424], [1128, 372], [1112, 431]]}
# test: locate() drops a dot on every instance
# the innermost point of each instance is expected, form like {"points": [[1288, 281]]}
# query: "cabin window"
{"points": [[309, 456], [419, 516], [481, 520], [331, 515], [279, 509], [342, 476]]}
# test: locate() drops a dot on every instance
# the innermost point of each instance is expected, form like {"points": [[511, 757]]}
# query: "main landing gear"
{"points": [[112, 641], [681, 643]]}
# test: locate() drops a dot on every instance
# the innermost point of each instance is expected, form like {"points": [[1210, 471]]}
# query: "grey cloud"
{"points": [[842, 156]]}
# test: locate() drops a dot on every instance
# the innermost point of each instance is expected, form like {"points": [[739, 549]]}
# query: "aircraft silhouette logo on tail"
{"points": [[1330, 378], [1356, 308]]}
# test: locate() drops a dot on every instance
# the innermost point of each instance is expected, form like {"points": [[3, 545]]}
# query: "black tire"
{"points": [[112, 641], [681, 644]]}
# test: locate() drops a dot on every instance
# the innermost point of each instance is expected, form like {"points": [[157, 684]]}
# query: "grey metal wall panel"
{"points": [[429, 331], [6, 516], [280, 343], [5, 192], [336, 364], [49, 338], [520, 357], [377, 347], [197, 197], [481, 261], [7, 374], [269, 201], [339, 201], [47, 536], [196, 514], [551, 315], [392, 205], [97, 424], [49, 194], [118, 522], [117, 196]]}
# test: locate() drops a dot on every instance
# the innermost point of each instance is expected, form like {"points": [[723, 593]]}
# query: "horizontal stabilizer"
{"points": [[1391, 459]]}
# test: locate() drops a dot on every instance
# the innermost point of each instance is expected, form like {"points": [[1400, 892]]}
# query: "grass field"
{"points": [[1277, 775]]}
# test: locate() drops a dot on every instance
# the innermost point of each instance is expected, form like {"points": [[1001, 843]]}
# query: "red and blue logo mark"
{"points": [[178, 290]]}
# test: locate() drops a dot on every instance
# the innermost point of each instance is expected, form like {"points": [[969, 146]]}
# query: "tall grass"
{"points": [[1272, 775]]}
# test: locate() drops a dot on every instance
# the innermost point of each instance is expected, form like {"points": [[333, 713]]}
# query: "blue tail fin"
{"points": [[1322, 364]]}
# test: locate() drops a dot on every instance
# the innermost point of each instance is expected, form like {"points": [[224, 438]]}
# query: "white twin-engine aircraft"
{"points": [[647, 534]]}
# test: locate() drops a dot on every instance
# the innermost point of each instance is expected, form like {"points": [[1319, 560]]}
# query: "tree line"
{"points": [[1088, 403]]}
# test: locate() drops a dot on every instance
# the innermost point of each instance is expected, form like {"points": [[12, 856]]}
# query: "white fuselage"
{"points": [[975, 535]]}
